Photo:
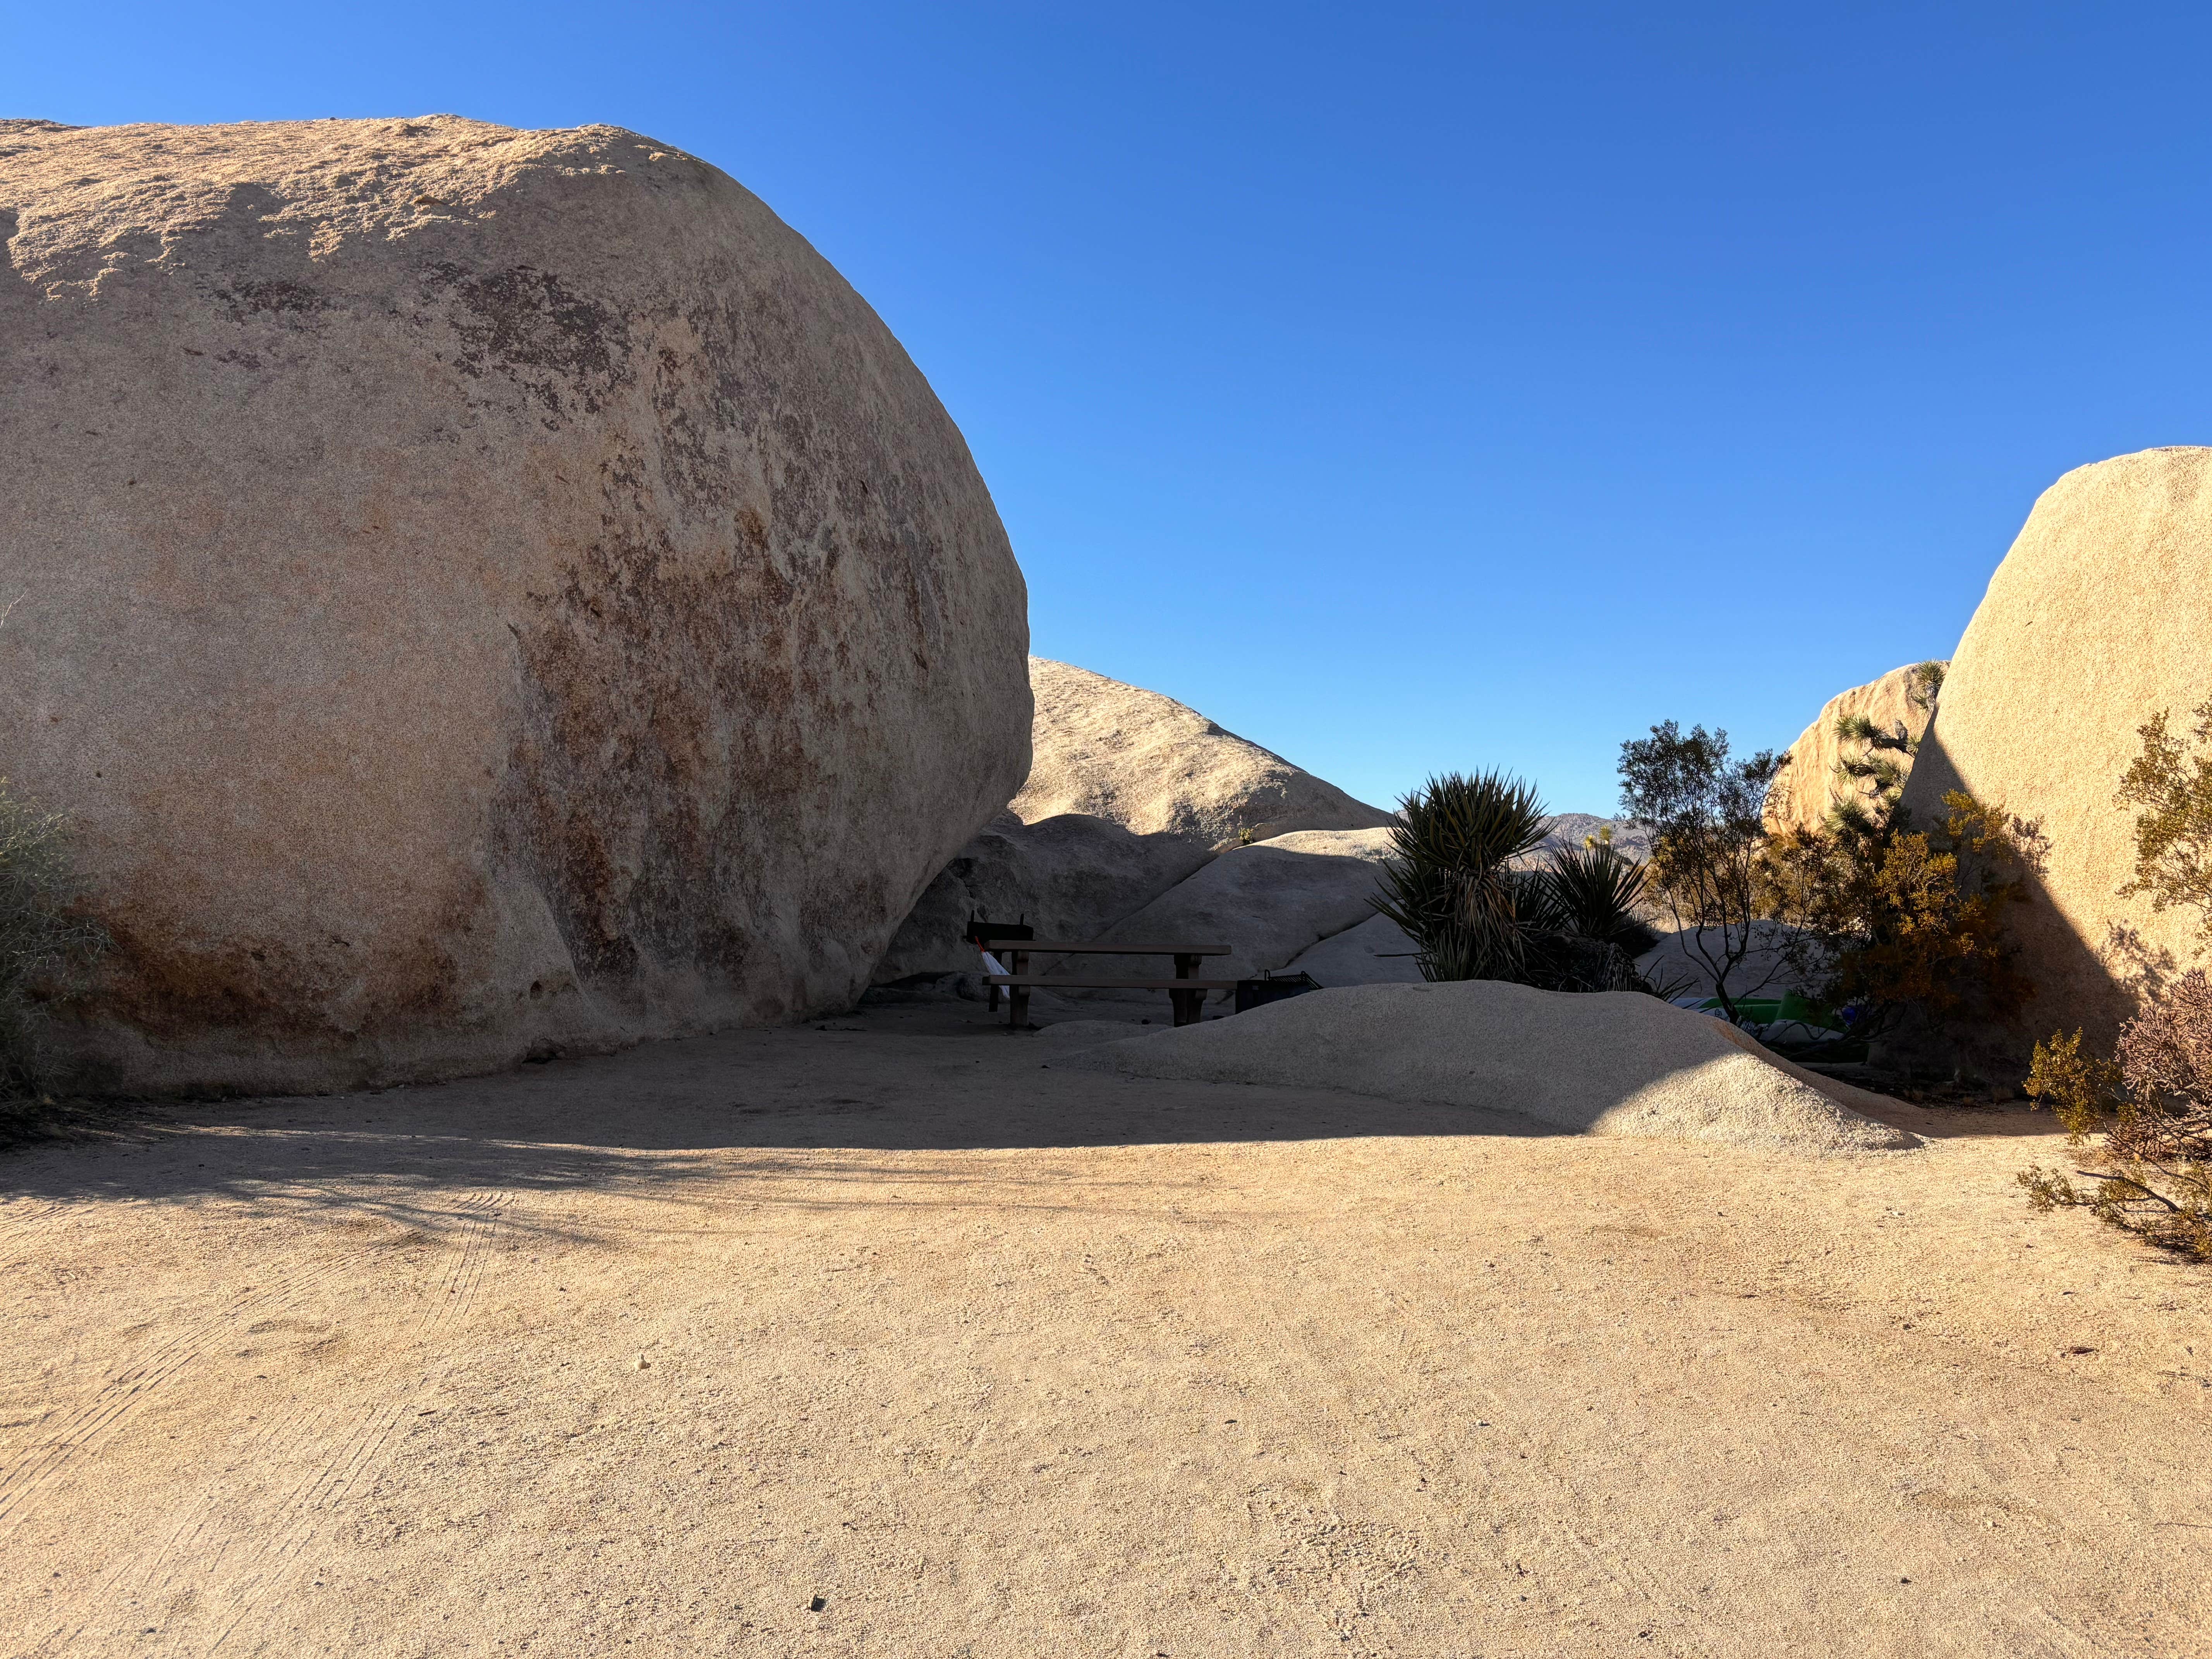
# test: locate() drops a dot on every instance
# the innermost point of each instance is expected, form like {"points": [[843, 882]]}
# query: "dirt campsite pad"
{"points": [[880, 1337]]}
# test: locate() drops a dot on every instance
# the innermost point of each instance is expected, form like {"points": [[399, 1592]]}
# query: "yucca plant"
{"points": [[1452, 885], [1595, 892]]}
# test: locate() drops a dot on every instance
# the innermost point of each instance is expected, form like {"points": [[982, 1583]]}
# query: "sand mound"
{"points": [[1071, 1034], [1612, 1063]]}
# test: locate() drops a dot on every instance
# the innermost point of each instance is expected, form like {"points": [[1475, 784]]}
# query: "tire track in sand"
{"points": [[88, 1429], [220, 1559]]}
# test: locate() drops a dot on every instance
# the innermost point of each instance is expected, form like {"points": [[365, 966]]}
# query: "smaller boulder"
{"points": [[1376, 951], [1128, 793], [1069, 877], [1808, 787], [1269, 902], [1568, 831]]}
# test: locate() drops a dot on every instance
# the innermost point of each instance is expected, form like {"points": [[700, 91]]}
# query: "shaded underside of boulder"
{"points": [[1375, 951], [1267, 903], [1688, 961], [476, 591], [1598, 1063], [1068, 877], [1808, 785], [2098, 618]]}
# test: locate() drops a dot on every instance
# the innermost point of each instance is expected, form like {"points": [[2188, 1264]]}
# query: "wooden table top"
{"points": [[1007, 947]]}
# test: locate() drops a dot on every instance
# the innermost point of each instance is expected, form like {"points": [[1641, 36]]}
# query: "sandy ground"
{"points": [[884, 1338]]}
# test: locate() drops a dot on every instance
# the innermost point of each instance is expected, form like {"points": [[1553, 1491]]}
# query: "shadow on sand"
{"points": [[754, 1107], [848, 1102]]}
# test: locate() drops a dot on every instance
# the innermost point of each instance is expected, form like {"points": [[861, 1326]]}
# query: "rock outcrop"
{"points": [[2099, 617], [1129, 792], [1154, 766], [1568, 831], [1809, 785], [478, 591]]}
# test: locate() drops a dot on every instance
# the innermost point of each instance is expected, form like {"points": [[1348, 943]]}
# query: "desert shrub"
{"points": [[1890, 922], [2152, 1100], [1456, 886], [46, 946], [2153, 1173], [2174, 831], [1705, 812]]}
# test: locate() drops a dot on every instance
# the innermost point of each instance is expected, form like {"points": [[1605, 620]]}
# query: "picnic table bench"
{"points": [[1186, 992]]}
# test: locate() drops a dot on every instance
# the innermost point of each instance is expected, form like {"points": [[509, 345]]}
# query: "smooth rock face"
{"points": [[1597, 1062], [1068, 877], [1808, 787], [1268, 903], [1129, 792], [1375, 951], [2099, 617], [1155, 767], [476, 590]]}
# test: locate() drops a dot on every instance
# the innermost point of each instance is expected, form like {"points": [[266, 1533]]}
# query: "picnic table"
{"points": [[1185, 991]]}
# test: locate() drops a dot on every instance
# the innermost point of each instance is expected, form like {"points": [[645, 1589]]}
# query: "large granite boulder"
{"points": [[478, 591], [2099, 617], [1129, 792], [1808, 787]]}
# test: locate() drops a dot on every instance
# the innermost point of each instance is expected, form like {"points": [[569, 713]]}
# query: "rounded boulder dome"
{"points": [[476, 592], [2099, 617]]}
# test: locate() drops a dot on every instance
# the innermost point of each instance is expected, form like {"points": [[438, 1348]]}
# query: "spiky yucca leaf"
{"points": [[1451, 886], [1596, 893]]}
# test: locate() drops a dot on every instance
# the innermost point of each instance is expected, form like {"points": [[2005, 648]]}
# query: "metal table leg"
{"points": [[1187, 1004]]}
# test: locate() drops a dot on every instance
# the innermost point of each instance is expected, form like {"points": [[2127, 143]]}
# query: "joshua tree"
{"points": [[1876, 759]]}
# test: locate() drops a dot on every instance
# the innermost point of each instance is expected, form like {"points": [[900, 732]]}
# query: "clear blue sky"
{"points": [[1410, 387]]}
